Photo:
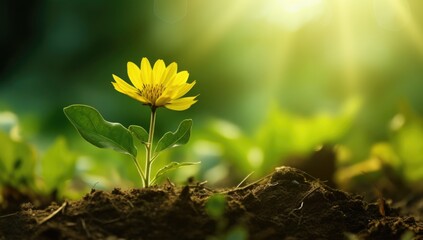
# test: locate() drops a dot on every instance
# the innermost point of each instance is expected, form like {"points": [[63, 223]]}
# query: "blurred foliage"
{"points": [[222, 146], [22, 169], [394, 165], [57, 167], [215, 207], [17, 163], [276, 78]]}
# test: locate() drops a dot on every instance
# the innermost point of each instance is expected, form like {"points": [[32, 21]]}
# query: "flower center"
{"points": [[152, 92]]}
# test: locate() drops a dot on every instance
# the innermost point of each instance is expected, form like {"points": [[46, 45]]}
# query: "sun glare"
{"points": [[347, 46], [293, 14], [408, 23], [234, 11], [346, 32]]}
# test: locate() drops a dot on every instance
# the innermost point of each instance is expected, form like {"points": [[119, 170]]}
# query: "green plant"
{"points": [[157, 86], [17, 163], [25, 171], [282, 134], [57, 166], [215, 208], [398, 157]]}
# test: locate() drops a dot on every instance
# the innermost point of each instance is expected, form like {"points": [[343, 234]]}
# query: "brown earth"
{"points": [[287, 204]]}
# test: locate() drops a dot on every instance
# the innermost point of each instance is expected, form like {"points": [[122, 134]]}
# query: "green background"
{"points": [[276, 78]]}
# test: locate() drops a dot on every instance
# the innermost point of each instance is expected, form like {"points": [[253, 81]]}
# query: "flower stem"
{"points": [[149, 147], [140, 172]]}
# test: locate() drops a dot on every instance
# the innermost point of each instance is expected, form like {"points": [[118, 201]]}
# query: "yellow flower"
{"points": [[158, 86]]}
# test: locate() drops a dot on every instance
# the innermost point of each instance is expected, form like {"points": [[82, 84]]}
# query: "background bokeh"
{"points": [[276, 78]]}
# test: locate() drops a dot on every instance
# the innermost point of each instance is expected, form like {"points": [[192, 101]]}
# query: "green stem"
{"points": [[140, 171], [149, 147]]}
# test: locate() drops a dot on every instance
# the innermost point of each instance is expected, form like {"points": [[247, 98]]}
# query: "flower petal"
{"points": [[169, 73], [180, 78], [158, 71], [181, 104], [124, 85], [157, 86], [134, 75], [146, 72], [133, 95], [183, 90], [170, 91], [162, 101], [125, 88]]}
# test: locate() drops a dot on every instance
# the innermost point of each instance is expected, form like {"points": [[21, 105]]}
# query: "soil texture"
{"points": [[287, 204]]}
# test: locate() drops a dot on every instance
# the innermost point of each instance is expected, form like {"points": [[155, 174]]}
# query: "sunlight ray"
{"points": [[233, 13], [281, 50], [348, 50], [410, 25]]}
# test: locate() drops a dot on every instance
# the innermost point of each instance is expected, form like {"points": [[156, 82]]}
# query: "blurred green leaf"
{"points": [[173, 139], [17, 162], [215, 206], [97, 131], [171, 166], [408, 142], [57, 166], [281, 134], [285, 133], [408, 235], [8, 121], [139, 133], [237, 233], [221, 139], [7, 156]]}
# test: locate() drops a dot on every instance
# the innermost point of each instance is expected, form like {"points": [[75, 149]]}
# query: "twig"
{"points": [[245, 179], [8, 215], [201, 186], [85, 227], [248, 185], [107, 221], [52, 214], [170, 182]]}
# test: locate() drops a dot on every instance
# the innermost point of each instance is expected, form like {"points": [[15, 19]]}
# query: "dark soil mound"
{"points": [[288, 204]]}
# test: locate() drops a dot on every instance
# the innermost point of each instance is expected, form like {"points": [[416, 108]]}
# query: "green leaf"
{"points": [[97, 131], [237, 233], [17, 162], [139, 132], [171, 166], [177, 138], [215, 206], [57, 166]]}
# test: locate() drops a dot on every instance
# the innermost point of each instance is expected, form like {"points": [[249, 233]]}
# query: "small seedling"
{"points": [[155, 87]]}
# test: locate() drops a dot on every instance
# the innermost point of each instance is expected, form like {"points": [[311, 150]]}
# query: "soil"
{"points": [[287, 204]]}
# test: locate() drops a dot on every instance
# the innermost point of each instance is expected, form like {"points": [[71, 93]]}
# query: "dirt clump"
{"points": [[287, 204]]}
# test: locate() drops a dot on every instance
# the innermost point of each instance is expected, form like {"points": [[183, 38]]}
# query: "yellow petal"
{"points": [[124, 85], [134, 75], [163, 100], [146, 72], [183, 90], [181, 104], [170, 92], [169, 73], [180, 78], [125, 88], [133, 95], [119, 89], [158, 71]]}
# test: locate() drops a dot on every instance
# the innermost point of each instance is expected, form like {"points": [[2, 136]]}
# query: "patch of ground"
{"points": [[287, 204]]}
